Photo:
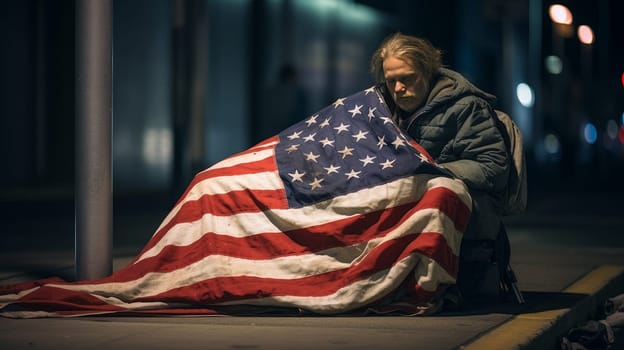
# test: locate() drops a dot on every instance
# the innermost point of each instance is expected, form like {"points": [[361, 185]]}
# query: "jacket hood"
{"points": [[450, 86]]}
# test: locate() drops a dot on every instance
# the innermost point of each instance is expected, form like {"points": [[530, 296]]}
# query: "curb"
{"points": [[542, 330]]}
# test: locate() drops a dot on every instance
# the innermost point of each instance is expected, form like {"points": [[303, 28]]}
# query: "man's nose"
{"points": [[399, 87]]}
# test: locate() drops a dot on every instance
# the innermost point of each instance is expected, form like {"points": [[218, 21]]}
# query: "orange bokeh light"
{"points": [[585, 34], [560, 14]]}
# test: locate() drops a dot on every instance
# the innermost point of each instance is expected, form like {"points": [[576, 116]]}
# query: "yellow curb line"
{"points": [[521, 329]]}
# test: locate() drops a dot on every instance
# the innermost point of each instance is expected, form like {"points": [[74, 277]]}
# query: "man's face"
{"points": [[407, 87]]}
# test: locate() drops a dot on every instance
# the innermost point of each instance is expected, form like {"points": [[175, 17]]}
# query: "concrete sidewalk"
{"points": [[539, 324], [542, 328]]}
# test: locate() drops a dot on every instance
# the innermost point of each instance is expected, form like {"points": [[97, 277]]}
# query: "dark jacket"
{"points": [[456, 126]]}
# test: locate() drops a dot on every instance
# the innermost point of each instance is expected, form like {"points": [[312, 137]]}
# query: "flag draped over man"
{"points": [[339, 213]]}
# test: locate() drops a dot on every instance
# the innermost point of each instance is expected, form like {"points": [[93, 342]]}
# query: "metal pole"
{"points": [[180, 98], [93, 202]]}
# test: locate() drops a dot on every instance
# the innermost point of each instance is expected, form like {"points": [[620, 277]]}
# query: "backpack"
{"points": [[516, 193], [485, 269]]}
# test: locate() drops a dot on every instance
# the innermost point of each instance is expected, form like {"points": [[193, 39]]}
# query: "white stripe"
{"points": [[430, 274], [42, 314], [367, 200], [6, 299], [29, 314], [289, 267], [269, 180], [114, 301], [232, 161], [363, 292]]}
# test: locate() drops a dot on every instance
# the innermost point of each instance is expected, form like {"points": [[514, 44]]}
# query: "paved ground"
{"points": [[567, 250]]}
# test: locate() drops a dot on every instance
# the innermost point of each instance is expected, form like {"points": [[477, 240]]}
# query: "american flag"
{"points": [[338, 213]]}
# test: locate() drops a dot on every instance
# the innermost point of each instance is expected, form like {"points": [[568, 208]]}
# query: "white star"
{"points": [[332, 169], [311, 120], [296, 176], [353, 174], [316, 183], [387, 164], [327, 142], [294, 135], [381, 141], [309, 137], [339, 102], [311, 156], [355, 110], [340, 128], [423, 158], [381, 100], [367, 160], [346, 152], [369, 90], [292, 148], [371, 112], [386, 120], [360, 135], [325, 123], [398, 142]]}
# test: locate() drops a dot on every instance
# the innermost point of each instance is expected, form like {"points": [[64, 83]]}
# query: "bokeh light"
{"points": [[590, 134], [525, 94], [560, 14], [612, 129], [585, 34], [554, 64], [551, 144]]}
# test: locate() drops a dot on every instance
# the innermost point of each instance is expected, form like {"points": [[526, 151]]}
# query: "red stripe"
{"points": [[53, 299], [246, 201], [18, 287], [450, 204], [223, 289], [253, 167]]}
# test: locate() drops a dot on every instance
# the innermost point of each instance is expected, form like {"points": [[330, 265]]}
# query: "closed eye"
{"points": [[407, 80]]}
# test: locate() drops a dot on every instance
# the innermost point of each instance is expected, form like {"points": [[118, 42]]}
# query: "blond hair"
{"points": [[417, 52]]}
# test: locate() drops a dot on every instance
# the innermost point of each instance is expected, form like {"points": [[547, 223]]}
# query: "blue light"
{"points": [[590, 133]]}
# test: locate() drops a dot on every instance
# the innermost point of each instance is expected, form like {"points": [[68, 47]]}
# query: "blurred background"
{"points": [[194, 81]]}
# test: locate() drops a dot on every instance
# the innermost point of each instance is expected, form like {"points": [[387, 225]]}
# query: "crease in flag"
{"points": [[339, 213]]}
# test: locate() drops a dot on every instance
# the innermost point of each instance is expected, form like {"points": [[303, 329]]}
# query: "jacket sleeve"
{"points": [[479, 156]]}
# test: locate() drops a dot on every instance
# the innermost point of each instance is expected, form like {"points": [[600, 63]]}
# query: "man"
{"points": [[449, 117]]}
